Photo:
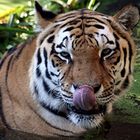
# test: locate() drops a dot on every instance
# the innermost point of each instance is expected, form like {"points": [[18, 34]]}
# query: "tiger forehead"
{"points": [[79, 25], [82, 21], [81, 17], [82, 13], [83, 26]]}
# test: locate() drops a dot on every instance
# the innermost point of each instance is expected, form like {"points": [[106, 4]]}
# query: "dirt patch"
{"points": [[124, 131], [118, 131]]}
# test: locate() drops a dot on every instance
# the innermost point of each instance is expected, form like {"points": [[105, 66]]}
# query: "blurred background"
{"points": [[17, 20], [17, 23]]}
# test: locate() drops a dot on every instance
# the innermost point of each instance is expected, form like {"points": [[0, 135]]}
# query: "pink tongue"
{"points": [[84, 98]]}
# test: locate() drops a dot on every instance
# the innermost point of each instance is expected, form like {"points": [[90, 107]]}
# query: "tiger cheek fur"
{"points": [[64, 80]]}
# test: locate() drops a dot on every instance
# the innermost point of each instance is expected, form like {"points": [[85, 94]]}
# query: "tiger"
{"points": [[64, 80]]}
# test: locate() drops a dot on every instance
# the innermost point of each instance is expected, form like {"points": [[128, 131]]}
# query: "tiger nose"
{"points": [[75, 86], [96, 87]]}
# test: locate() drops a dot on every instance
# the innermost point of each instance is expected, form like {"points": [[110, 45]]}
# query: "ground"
{"points": [[118, 131]]}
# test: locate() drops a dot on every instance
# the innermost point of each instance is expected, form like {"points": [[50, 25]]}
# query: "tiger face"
{"points": [[83, 62]]}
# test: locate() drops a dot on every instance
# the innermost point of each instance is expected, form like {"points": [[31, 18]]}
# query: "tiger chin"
{"points": [[64, 80]]}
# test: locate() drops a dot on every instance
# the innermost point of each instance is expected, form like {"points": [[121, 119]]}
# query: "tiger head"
{"points": [[83, 62]]}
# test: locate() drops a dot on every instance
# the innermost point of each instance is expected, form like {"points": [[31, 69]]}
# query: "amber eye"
{"points": [[65, 55], [106, 52]]}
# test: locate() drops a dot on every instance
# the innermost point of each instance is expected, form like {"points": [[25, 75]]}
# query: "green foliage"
{"points": [[59, 6], [16, 25], [129, 105], [17, 22], [17, 17]]}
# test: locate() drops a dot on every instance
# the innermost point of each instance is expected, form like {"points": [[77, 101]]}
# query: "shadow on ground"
{"points": [[118, 131]]}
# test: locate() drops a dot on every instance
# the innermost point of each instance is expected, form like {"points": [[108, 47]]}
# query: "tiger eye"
{"points": [[106, 52], [65, 54]]}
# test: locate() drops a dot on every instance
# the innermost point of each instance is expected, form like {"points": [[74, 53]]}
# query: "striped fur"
{"points": [[38, 78]]}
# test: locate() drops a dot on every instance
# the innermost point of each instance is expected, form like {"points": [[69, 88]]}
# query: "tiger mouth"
{"points": [[94, 111]]}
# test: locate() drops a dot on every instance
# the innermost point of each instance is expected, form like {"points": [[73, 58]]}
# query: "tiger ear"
{"points": [[128, 17], [43, 17]]}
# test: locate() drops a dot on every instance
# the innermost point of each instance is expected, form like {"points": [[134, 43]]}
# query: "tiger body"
{"points": [[40, 80]]}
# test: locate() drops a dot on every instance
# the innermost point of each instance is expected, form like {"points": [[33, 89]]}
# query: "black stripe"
{"points": [[74, 22], [130, 56], [90, 40], [54, 111], [110, 42], [59, 62], [126, 83], [117, 45], [39, 59], [38, 72], [117, 61], [45, 56], [2, 61], [69, 16], [46, 87], [62, 76], [64, 39], [51, 39], [95, 19], [46, 63], [116, 36], [36, 90], [123, 72], [45, 36], [108, 20], [103, 35], [73, 44], [118, 82], [48, 91], [60, 46], [70, 23], [125, 55], [8, 68], [53, 63], [47, 74], [53, 74], [2, 114], [96, 41], [9, 52], [95, 25], [21, 48], [69, 29], [53, 51], [68, 97]]}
